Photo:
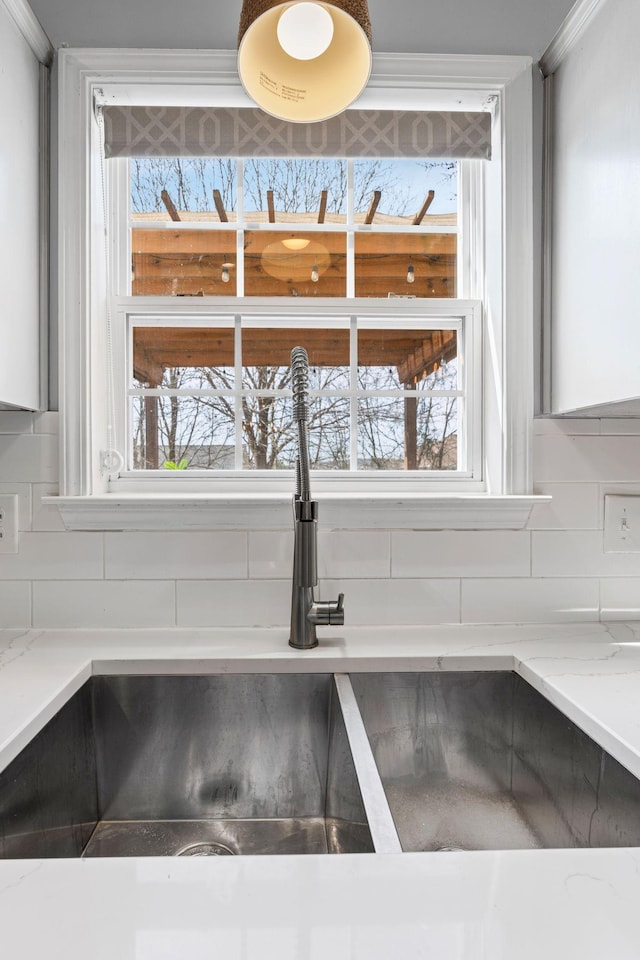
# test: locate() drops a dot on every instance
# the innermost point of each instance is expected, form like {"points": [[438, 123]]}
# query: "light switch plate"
{"points": [[621, 524], [9, 523]]}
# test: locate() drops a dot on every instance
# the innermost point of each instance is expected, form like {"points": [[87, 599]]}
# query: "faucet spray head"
{"points": [[300, 383]]}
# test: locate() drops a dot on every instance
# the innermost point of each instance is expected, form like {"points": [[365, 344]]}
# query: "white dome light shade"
{"points": [[304, 85], [305, 30], [296, 243]]}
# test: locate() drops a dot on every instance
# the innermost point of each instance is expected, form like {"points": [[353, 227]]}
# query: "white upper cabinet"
{"points": [[595, 223], [22, 220]]}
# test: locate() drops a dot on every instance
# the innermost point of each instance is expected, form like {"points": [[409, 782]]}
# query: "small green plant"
{"points": [[172, 465]]}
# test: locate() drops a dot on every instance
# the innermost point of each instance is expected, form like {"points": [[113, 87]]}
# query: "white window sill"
{"points": [[273, 511]]}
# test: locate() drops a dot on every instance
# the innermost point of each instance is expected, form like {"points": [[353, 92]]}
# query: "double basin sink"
{"points": [[311, 763]]}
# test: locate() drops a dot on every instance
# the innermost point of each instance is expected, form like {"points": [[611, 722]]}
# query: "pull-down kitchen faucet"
{"points": [[306, 613]]}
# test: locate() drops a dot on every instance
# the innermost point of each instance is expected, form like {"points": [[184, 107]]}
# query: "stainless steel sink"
{"points": [[481, 761], [311, 763], [208, 765]]}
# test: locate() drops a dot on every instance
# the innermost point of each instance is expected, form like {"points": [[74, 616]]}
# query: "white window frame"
{"points": [[504, 286], [465, 316]]}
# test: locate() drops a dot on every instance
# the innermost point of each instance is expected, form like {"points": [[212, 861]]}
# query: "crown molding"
{"points": [[572, 28], [30, 28]]}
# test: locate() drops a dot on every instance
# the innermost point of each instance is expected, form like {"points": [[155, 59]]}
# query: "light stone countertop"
{"points": [[509, 905]]}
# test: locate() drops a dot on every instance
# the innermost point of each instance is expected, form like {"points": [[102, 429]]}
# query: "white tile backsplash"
{"points": [[270, 554], [405, 602], [54, 556], [622, 425], [579, 553], [247, 603], [565, 426], [463, 553], [16, 421], [47, 422], [45, 517], [218, 555], [28, 458], [587, 459], [104, 603], [574, 506], [23, 490], [554, 570], [620, 598], [346, 554], [529, 600], [15, 604]]}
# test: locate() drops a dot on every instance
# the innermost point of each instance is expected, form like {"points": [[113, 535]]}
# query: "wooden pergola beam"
{"points": [[168, 202], [411, 352], [222, 213], [419, 217], [270, 207], [371, 212], [323, 206]]}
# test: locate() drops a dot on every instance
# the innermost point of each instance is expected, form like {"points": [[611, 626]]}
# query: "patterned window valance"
{"points": [[248, 132]]}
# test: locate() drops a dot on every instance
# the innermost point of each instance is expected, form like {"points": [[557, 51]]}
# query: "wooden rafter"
{"points": [[419, 217], [371, 212], [168, 202], [270, 207], [222, 213], [323, 206]]}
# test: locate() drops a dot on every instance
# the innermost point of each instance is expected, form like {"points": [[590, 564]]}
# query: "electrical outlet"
{"points": [[9, 523], [621, 524]]}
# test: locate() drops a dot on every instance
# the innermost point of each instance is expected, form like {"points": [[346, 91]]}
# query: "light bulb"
{"points": [[305, 31], [315, 276], [410, 274], [225, 273]]}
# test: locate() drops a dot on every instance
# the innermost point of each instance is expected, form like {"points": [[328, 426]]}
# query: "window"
{"points": [[423, 381], [390, 391]]}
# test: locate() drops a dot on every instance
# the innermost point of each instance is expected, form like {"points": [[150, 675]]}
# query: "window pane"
{"points": [[295, 264], [270, 437], [198, 188], [407, 434], [405, 264], [266, 357], [407, 359], [183, 263], [297, 190], [183, 433], [183, 358], [404, 187], [329, 433]]}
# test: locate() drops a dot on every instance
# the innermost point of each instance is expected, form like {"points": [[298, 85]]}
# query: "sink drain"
{"points": [[205, 850]]}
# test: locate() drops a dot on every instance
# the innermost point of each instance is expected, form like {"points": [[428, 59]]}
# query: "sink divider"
{"points": [[381, 825]]}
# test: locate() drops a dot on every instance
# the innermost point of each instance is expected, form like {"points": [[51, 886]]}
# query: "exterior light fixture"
{"points": [[315, 276], [302, 61], [410, 273], [296, 243], [225, 272]]}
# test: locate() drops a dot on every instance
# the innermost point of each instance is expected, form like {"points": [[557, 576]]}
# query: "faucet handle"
{"points": [[325, 613]]}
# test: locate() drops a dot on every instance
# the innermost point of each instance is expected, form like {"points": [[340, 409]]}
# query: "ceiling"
{"points": [[399, 26]]}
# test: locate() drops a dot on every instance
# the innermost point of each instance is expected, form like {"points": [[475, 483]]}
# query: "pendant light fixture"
{"points": [[302, 61]]}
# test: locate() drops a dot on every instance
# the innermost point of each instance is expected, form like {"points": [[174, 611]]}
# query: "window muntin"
{"points": [[386, 394]]}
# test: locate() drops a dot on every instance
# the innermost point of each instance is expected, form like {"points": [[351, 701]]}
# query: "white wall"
{"points": [[596, 219], [554, 571]]}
